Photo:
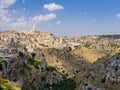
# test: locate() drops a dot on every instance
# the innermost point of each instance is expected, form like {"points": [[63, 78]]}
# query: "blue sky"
{"points": [[62, 17]]}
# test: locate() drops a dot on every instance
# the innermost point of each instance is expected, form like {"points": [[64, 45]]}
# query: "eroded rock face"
{"points": [[21, 71], [27, 69], [89, 87], [29, 75], [103, 75], [112, 73]]}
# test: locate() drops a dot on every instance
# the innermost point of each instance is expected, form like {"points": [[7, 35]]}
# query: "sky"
{"points": [[62, 17]]}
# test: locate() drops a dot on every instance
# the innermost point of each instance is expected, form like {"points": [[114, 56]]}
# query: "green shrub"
{"points": [[33, 55], [68, 49], [87, 45], [34, 63], [1, 88], [21, 54], [0, 67], [50, 68], [2, 61], [43, 79], [67, 84], [103, 80], [44, 45], [116, 68]]}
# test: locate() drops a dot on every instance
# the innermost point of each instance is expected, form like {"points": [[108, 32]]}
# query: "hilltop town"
{"points": [[42, 61]]}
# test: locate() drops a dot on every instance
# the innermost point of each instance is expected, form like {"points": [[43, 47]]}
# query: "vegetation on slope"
{"points": [[8, 85], [67, 84]]}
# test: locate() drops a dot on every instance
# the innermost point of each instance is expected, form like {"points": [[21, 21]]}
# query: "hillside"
{"points": [[103, 74], [40, 61]]}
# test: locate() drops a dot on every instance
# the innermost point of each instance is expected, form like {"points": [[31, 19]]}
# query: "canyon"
{"points": [[34, 60]]}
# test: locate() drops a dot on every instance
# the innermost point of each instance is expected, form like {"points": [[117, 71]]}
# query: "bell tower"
{"points": [[34, 28]]}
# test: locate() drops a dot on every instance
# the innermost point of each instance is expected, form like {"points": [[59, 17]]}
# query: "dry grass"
{"points": [[89, 54]]}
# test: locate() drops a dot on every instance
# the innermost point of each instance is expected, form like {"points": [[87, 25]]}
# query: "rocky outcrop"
{"points": [[103, 75], [28, 69], [112, 73]]}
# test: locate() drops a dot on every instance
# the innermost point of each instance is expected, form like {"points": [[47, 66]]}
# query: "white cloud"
{"points": [[53, 6], [23, 1], [118, 15], [8, 20], [19, 22], [94, 20], [13, 19], [49, 24], [22, 19], [58, 22], [85, 13], [25, 23], [6, 3], [3, 12], [40, 18], [5, 16], [14, 11], [24, 9]]}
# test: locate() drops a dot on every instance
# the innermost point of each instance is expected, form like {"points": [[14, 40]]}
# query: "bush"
{"points": [[43, 79], [34, 63], [67, 84], [68, 49], [0, 67], [33, 55], [116, 68], [87, 45], [2, 61], [50, 68], [103, 80], [1, 88], [44, 45], [21, 54]]}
